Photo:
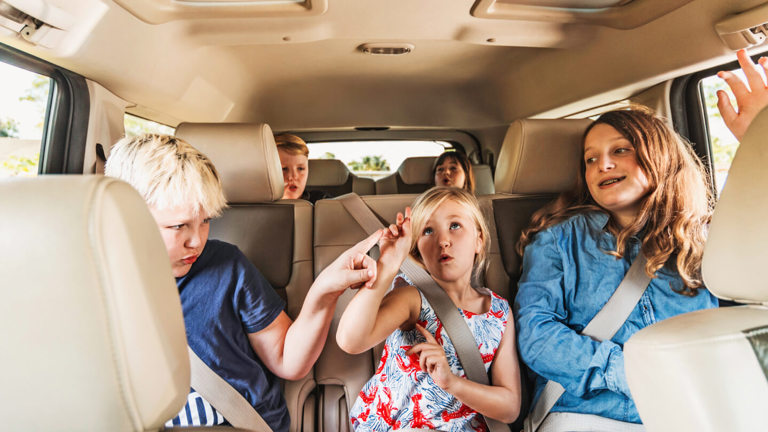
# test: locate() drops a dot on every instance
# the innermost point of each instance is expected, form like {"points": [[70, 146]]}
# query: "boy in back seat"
{"points": [[234, 319]]}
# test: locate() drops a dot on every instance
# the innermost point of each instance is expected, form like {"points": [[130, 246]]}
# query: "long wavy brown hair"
{"points": [[673, 215]]}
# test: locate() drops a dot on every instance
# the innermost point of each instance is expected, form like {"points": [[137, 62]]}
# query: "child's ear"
{"points": [[479, 242]]}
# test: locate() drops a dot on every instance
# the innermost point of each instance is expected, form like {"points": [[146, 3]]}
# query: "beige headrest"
{"points": [[245, 156], [417, 170], [92, 329], [540, 156], [327, 172], [734, 256]]}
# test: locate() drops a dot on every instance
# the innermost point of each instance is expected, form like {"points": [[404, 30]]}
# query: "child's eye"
{"points": [[427, 231], [455, 225], [301, 168], [589, 160], [207, 220], [176, 227], [285, 169], [621, 150]]}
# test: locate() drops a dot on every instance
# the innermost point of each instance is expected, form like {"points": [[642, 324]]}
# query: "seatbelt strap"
{"points": [[222, 396], [602, 327], [446, 311]]}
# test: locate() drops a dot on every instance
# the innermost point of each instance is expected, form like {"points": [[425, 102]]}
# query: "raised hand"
{"points": [[395, 243], [432, 359], [352, 269], [749, 100]]}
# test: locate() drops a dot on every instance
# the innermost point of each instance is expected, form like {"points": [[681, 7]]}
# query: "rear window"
{"points": [[375, 159]]}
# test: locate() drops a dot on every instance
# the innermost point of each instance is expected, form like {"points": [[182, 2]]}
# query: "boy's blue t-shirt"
{"points": [[223, 298]]}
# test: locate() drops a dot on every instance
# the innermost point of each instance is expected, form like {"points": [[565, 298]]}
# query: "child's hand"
{"points": [[750, 101], [395, 243], [352, 269], [432, 360]]}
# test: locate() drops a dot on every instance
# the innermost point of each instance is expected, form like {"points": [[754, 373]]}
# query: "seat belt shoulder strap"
{"points": [[601, 327], [222, 396]]}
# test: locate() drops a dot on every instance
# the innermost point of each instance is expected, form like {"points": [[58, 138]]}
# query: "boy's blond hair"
{"points": [[291, 144], [168, 172], [429, 201]]}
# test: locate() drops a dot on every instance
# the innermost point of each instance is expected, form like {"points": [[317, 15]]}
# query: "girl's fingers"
{"points": [[737, 86], [755, 80], [725, 107]]}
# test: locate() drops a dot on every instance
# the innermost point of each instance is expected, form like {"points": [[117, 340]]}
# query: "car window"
{"points": [[722, 143], [136, 126], [23, 111], [375, 159]]}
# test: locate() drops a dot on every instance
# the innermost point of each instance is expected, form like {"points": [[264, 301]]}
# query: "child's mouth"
{"points": [[445, 258], [611, 181]]}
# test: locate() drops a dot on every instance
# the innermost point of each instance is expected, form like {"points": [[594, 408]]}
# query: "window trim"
{"points": [[65, 127]]}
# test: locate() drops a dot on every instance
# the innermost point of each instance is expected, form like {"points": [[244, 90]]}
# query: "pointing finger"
{"points": [[365, 245], [427, 335]]}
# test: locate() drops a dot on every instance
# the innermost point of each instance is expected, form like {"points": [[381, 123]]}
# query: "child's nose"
{"points": [[606, 163]]}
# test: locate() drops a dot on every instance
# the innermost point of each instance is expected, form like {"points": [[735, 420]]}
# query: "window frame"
{"points": [[689, 114], [65, 126]]}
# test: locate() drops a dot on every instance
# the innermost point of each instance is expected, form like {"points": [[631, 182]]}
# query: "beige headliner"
{"points": [[242, 69]]}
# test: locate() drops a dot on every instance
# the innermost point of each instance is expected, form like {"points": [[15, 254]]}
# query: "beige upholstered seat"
{"points": [[414, 175], [92, 332], [341, 375], [538, 160], [708, 370], [333, 177], [275, 235]]}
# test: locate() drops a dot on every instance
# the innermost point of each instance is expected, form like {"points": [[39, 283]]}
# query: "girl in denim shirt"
{"points": [[640, 188]]}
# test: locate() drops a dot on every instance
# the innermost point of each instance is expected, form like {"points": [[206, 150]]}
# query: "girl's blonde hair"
{"points": [[291, 144], [673, 215], [429, 201], [167, 172]]}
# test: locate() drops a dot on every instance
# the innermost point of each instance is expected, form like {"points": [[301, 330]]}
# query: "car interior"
{"points": [[94, 326]]}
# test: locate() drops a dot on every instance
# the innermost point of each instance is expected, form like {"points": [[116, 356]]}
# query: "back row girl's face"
{"points": [[613, 175], [450, 173], [449, 242]]}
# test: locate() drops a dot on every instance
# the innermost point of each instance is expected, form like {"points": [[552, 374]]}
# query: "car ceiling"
{"points": [[303, 70]]}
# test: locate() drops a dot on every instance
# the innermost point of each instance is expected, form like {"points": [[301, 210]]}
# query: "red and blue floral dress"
{"points": [[401, 395]]}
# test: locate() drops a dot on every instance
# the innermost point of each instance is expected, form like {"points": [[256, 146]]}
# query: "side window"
{"points": [[722, 143], [24, 97], [136, 126]]}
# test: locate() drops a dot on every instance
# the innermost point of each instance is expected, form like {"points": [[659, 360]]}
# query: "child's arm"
{"points": [[290, 348], [500, 400], [370, 317]]}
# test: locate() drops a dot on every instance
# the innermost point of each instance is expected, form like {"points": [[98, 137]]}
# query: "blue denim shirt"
{"points": [[567, 278]]}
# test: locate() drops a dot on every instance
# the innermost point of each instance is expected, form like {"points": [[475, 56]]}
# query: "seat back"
{"points": [[538, 160], [413, 176], [91, 319], [483, 179], [334, 178], [275, 234], [708, 370]]}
